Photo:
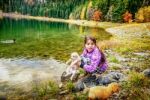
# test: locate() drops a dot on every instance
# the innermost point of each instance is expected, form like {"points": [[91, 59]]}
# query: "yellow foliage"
{"points": [[82, 16], [143, 14], [1, 16], [89, 5]]}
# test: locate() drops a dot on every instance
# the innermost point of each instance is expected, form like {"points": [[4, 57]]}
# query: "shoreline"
{"points": [[116, 29], [70, 21]]}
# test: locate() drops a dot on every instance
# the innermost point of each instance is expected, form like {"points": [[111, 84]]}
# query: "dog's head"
{"points": [[114, 86], [75, 56]]}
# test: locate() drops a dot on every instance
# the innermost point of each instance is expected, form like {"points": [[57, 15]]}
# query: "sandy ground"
{"points": [[131, 30]]}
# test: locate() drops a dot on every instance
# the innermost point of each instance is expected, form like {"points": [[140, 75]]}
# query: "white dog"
{"points": [[73, 63]]}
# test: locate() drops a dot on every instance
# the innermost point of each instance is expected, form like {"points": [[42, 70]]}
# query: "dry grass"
{"points": [[108, 44]]}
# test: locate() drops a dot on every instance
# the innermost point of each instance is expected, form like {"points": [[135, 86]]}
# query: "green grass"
{"points": [[112, 58], [69, 86], [80, 96], [115, 68], [45, 90], [136, 87]]}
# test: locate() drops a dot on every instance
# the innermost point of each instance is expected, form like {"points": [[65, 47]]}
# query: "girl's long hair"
{"points": [[103, 58]]}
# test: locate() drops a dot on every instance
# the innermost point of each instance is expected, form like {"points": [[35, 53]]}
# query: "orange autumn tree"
{"points": [[127, 17], [97, 15]]}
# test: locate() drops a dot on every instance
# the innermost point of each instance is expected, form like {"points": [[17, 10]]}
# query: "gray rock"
{"points": [[88, 81], [104, 80], [65, 78], [8, 41], [109, 78], [79, 86], [142, 54], [115, 75], [91, 80], [146, 72]]}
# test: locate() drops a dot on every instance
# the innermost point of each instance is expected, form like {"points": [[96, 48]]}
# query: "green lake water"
{"points": [[38, 39]]}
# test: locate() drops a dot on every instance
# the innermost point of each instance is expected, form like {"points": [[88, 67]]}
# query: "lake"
{"points": [[38, 39]]}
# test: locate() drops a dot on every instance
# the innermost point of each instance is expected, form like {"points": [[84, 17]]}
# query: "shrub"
{"points": [[97, 15], [127, 17], [143, 14]]}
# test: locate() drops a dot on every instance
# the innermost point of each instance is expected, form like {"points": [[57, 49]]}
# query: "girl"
{"points": [[93, 59]]}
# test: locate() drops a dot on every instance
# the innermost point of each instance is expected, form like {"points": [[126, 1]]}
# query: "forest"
{"points": [[97, 10]]}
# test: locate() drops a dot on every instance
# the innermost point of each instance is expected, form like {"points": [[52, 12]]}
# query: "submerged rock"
{"points": [[8, 41]]}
